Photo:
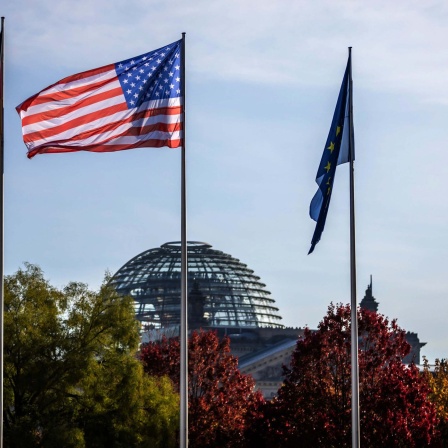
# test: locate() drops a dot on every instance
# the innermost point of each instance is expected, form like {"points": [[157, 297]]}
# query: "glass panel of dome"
{"points": [[223, 283]]}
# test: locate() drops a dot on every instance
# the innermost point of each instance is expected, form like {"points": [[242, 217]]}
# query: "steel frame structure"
{"points": [[223, 292]]}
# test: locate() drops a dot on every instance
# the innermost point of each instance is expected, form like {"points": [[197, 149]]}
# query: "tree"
{"points": [[437, 378], [71, 375], [222, 401], [313, 407]]}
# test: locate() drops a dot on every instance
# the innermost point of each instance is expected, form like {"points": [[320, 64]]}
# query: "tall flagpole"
{"points": [[354, 306], [2, 291], [184, 271]]}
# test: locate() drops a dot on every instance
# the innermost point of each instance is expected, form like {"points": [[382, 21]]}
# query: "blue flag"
{"points": [[337, 150]]}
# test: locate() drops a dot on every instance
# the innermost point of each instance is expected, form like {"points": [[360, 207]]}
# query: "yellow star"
{"points": [[329, 181], [328, 191], [331, 147], [338, 130], [328, 166]]}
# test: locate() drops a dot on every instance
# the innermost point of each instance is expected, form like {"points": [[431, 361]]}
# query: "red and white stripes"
{"points": [[88, 112]]}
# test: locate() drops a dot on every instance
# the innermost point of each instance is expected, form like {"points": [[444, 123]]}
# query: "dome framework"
{"points": [[222, 291]]}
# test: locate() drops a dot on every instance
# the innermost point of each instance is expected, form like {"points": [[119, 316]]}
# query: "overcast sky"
{"points": [[262, 83]]}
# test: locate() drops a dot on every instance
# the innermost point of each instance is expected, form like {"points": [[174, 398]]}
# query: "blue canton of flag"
{"points": [[337, 151], [151, 76]]}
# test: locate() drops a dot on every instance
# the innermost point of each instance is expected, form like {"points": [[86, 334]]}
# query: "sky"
{"points": [[262, 80]]}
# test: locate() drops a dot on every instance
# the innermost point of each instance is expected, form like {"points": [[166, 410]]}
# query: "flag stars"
{"points": [[157, 76], [338, 130], [329, 185], [327, 166], [331, 147]]}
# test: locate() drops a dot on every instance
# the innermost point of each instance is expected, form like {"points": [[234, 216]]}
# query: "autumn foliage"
{"points": [[222, 401], [437, 377], [313, 407]]}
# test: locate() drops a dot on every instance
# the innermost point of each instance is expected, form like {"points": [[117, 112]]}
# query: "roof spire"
{"points": [[369, 302]]}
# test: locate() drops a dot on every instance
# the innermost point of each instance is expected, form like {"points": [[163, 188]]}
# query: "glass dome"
{"points": [[222, 291]]}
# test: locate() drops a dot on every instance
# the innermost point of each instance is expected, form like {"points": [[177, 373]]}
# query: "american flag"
{"points": [[131, 104]]}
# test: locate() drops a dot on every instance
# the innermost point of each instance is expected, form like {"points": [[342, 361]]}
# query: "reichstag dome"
{"points": [[222, 291]]}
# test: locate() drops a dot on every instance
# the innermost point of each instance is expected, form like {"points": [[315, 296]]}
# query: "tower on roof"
{"points": [[369, 302]]}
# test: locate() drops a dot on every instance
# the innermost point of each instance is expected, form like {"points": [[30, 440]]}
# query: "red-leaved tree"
{"points": [[222, 402], [313, 407]]}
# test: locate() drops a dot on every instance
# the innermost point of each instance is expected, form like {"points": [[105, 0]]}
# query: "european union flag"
{"points": [[338, 148]]}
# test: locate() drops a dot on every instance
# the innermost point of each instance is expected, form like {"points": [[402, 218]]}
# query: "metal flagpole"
{"points": [[2, 292], [354, 306], [184, 270]]}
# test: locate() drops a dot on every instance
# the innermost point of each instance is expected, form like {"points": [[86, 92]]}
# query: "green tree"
{"points": [[71, 375]]}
